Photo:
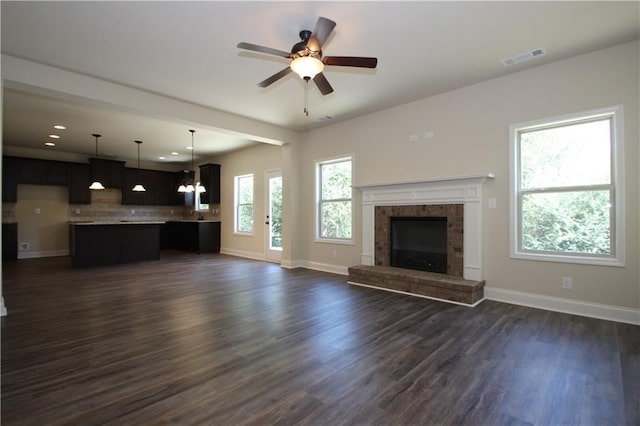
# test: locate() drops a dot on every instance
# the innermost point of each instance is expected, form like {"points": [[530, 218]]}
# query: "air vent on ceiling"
{"points": [[524, 57], [323, 119]]}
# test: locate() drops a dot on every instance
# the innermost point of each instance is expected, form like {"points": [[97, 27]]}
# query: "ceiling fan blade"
{"points": [[262, 49], [320, 34], [350, 61], [277, 76], [322, 83]]}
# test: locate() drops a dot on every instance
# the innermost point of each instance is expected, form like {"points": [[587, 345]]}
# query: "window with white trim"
{"points": [[243, 189], [567, 199], [334, 200]]}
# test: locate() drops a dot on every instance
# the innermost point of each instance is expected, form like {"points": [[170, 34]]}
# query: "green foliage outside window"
{"points": [[566, 191], [335, 200], [244, 218], [275, 188]]}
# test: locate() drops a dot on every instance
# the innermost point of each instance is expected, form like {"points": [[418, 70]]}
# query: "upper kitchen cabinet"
{"points": [[43, 172], [32, 171], [58, 173], [79, 192], [9, 179], [210, 178], [110, 173], [159, 188]]}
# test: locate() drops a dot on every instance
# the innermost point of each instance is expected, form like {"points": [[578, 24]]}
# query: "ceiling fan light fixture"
{"points": [[307, 67]]}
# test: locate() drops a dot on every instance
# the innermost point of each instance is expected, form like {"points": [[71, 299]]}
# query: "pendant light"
{"points": [[96, 183], [138, 187], [188, 185]]}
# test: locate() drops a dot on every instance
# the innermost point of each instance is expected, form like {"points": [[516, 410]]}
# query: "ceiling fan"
{"points": [[306, 57]]}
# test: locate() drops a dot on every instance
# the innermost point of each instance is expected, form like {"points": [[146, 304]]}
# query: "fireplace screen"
{"points": [[419, 243]]}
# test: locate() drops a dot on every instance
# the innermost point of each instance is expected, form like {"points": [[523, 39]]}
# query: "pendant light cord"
{"points": [[192, 166]]}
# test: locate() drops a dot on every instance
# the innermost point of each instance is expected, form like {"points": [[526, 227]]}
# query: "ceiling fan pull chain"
{"points": [[306, 96]]}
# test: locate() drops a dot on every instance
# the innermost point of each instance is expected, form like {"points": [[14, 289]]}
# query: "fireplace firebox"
{"points": [[419, 243]]}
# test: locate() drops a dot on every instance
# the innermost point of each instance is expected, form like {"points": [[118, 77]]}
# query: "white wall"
{"points": [[42, 213], [470, 127], [256, 160]]}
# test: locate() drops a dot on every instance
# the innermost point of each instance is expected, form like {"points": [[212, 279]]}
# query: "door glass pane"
{"points": [[275, 213]]}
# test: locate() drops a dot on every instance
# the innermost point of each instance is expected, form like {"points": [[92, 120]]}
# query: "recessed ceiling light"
{"points": [[174, 153], [54, 136], [59, 127], [50, 144], [189, 147], [162, 158]]}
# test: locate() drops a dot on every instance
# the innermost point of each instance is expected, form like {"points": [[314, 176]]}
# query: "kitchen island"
{"points": [[111, 243]]}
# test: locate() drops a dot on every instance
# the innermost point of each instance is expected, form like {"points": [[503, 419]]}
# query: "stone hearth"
{"points": [[458, 199], [418, 283]]}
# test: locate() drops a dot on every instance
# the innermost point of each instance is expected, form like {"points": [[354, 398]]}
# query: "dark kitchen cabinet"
{"points": [[210, 178], [43, 172], [110, 173], [9, 179], [10, 241], [80, 179], [199, 236], [131, 178], [58, 173], [32, 171], [159, 190]]}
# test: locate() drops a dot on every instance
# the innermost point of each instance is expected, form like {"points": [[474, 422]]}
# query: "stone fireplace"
{"points": [[453, 215], [458, 201]]}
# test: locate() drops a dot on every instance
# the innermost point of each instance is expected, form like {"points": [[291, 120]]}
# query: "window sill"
{"points": [[583, 260], [335, 241]]}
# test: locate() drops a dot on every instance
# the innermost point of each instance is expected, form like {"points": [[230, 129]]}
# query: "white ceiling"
{"points": [[187, 51]]}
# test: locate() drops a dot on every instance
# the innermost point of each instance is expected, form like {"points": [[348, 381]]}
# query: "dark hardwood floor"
{"points": [[213, 339]]}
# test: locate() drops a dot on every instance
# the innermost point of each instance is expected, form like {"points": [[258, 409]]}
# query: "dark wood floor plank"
{"points": [[214, 339]]}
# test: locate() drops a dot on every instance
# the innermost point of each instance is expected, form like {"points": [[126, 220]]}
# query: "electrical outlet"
{"points": [[133, 211], [37, 210], [567, 283], [23, 246], [335, 254]]}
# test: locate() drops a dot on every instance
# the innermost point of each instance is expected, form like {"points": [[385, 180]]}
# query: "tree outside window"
{"points": [[244, 204], [565, 189], [335, 220]]}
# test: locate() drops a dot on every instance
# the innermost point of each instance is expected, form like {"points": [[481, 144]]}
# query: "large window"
{"points": [[334, 200], [566, 189], [244, 204]]}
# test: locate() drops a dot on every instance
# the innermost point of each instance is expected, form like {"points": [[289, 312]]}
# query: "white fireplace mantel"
{"points": [[466, 190]]}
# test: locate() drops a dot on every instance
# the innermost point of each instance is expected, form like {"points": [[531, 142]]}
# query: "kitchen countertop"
{"points": [[124, 222], [194, 220], [140, 222]]}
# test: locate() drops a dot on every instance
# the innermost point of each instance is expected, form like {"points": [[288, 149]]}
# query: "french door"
{"points": [[274, 216]]}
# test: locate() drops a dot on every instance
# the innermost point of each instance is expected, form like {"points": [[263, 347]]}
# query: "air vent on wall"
{"points": [[524, 57]]}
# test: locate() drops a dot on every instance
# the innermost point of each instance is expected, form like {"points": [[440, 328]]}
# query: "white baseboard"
{"points": [[42, 253], [292, 264], [325, 267], [243, 253], [567, 306]]}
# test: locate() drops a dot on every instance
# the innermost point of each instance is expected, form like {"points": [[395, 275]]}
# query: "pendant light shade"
{"points": [[138, 187], [96, 184], [188, 185]]}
